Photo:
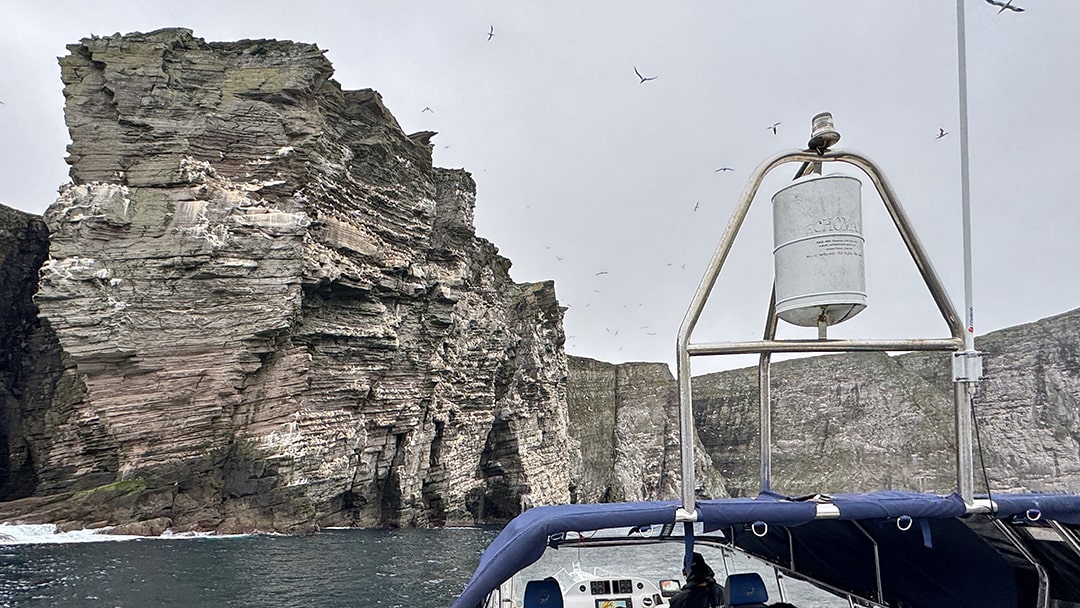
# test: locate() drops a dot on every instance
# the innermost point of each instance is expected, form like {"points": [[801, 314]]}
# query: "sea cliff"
{"points": [[864, 421], [259, 306], [262, 307]]}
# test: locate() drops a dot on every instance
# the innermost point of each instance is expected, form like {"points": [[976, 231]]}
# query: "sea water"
{"points": [[331, 569]]}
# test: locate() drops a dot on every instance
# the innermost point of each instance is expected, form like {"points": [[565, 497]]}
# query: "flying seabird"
{"points": [[773, 127], [427, 109], [696, 205], [1005, 5], [941, 133], [643, 78], [491, 32], [601, 272], [722, 169]]}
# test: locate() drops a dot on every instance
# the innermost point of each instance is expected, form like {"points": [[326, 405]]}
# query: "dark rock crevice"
{"points": [[30, 358], [501, 468]]}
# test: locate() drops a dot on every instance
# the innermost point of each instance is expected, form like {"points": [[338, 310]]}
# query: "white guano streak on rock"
{"points": [[94, 201]]}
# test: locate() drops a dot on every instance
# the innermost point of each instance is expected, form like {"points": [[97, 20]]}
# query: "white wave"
{"points": [[29, 534]]}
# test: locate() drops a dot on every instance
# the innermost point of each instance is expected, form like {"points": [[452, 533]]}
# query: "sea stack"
{"points": [[271, 312]]}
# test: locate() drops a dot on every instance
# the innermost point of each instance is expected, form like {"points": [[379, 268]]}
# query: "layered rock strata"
{"points": [[858, 422], [840, 423], [624, 425], [273, 311], [1027, 408]]}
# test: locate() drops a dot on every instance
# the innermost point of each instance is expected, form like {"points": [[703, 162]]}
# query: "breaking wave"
{"points": [[36, 534]]}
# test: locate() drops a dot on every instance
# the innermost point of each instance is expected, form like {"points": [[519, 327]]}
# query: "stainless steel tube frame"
{"points": [[684, 350]]}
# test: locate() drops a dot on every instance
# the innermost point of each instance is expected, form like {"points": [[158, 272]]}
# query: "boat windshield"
{"points": [[582, 559]]}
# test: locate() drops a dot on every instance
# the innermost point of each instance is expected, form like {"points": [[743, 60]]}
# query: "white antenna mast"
{"points": [[967, 365]]}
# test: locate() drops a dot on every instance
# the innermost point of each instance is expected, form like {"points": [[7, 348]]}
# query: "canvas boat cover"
{"points": [[945, 557]]}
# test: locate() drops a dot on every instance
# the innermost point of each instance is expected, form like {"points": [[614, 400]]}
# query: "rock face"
{"points": [[271, 311], [858, 422], [624, 424], [1028, 405], [839, 423], [30, 358]]}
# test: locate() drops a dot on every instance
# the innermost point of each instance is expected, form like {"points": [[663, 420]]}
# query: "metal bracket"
{"points": [[967, 366], [682, 515]]}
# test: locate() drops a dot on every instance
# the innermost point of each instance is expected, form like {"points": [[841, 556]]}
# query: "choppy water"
{"points": [[332, 569]]}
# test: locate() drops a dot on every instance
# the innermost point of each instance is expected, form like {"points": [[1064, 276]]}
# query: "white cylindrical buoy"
{"points": [[818, 250]]}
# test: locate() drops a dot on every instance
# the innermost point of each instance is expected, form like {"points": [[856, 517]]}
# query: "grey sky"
{"points": [[582, 169]]}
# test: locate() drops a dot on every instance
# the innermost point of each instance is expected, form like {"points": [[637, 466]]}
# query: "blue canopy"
{"points": [[891, 504], [525, 538], [1059, 507], [828, 547]]}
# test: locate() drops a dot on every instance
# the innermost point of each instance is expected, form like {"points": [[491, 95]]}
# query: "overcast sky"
{"points": [[582, 169]]}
